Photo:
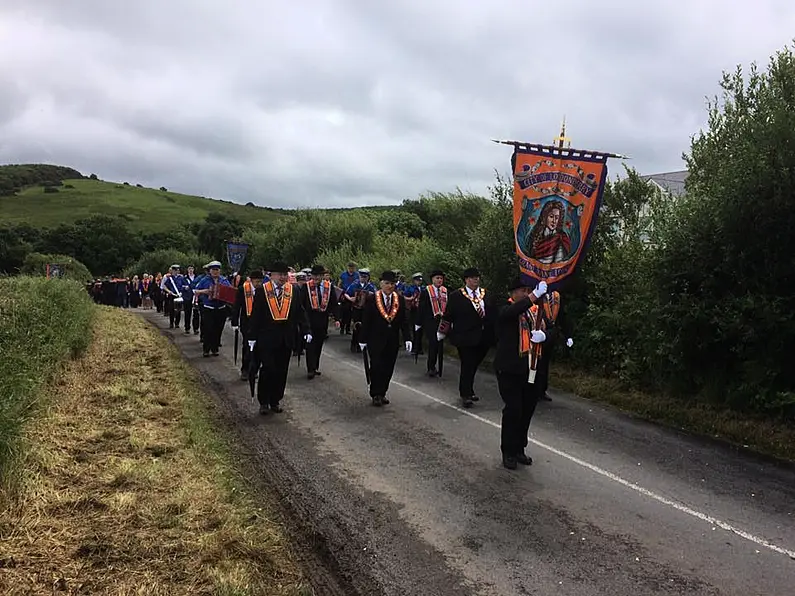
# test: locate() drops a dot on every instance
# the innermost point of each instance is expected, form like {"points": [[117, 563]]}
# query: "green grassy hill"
{"points": [[146, 209]]}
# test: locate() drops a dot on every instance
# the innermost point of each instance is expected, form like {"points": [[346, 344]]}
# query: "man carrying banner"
{"points": [[469, 317], [432, 304], [320, 303], [384, 318], [276, 312], [241, 315], [213, 310], [518, 335]]}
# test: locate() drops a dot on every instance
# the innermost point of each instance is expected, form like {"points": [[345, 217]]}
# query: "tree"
{"points": [[16, 242], [105, 244], [727, 267], [217, 229], [36, 264]]}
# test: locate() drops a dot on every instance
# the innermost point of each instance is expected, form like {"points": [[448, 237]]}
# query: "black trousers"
{"points": [[190, 316], [520, 398], [275, 363], [245, 363], [356, 317], [347, 314], [434, 345], [314, 350], [174, 313], [471, 358], [213, 320], [382, 366]]}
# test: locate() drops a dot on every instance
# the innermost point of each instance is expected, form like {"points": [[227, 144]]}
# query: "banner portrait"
{"points": [[54, 270], [236, 254], [556, 198]]}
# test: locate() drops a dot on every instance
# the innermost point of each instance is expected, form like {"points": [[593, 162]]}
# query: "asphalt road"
{"points": [[412, 499]]}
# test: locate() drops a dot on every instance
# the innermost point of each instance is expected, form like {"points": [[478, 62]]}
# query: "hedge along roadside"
{"points": [[42, 324]]}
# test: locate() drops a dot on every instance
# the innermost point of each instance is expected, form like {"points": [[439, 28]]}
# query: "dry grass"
{"points": [[128, 490], [762, 435]]}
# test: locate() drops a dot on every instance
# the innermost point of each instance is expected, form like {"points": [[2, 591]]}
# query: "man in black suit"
{"points": [[275, 314], [515, 338], [470, 316], [320, 302], [241, 315], [432, 304], [384, 317]]}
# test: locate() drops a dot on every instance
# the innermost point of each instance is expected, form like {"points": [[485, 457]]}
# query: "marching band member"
{"points": [[356, 294], [516, 335], [412, 293], [432, 304], [320, 303], [172, 289], [213, 311], [189, 281], [384, 318], [347, 278], [241, 315], [276, 312], [470, 315]]}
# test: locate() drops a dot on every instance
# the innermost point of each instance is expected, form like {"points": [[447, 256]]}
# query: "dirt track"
{"points": [[411, 499]]}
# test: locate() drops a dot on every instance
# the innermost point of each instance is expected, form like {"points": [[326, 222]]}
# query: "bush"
{"points": [[50, 189], [42, 323], [93, 177], [35, 264], [163, 189]]}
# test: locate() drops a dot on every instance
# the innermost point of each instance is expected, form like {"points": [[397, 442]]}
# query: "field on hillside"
{"points": [[146, 209]]}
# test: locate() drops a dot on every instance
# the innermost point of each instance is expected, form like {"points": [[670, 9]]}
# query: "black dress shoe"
{"points": [[376, 400], [310, 376], [546, 397], [433, 372], [475, 398], [466, 402], [524, 459], [509, 462], [276, 409], [215, 353], [206, 354], [317, 373], [263, 409], [384, 400]]}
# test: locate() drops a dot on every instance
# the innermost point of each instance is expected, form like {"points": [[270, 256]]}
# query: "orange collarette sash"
{"points": [[326, 285], [552, 306], [477, 300], [279, 307], [379, 302], [248, 294], [438, 306]]}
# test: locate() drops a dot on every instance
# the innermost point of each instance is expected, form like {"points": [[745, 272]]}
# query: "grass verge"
{"points": [[42, 324], [129, 489], [763, 435]]}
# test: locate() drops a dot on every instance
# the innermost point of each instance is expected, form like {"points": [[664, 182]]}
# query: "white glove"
{"points": [[540, 290], [538, 337], [233, 326], [251, 344], [417, 327], [308, 338], [439, 336], [408, 346], [570, 342], [362, 346]]}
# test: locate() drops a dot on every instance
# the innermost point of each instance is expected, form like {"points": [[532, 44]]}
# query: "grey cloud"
{"points": [[349, 102]]}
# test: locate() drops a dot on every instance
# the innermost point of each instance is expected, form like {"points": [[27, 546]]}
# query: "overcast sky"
{"points": [[353, 102]]}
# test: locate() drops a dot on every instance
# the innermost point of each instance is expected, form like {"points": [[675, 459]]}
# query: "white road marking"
{"points": [[602, 472]]}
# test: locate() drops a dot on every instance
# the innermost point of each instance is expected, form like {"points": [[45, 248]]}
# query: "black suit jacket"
{"points": [[239, 316], [377, 333], [507, 358], [468, 328], [273, 334], [318, 319]]}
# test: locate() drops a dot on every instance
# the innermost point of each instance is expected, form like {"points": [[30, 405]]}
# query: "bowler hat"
{"points": [[318, 270], [255, 274], [516, 283], [436, 272], [389, 276], [279, 267], [471, 272]]}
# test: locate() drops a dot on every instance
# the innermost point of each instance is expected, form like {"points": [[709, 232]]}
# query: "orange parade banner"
{"points": [[556, 198]]}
